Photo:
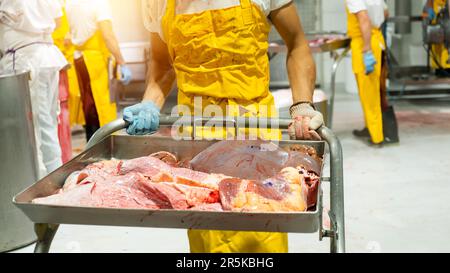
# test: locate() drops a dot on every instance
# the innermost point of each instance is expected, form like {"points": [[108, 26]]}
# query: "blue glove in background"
{"points": [[369, 62], [431, 14], [126, 74], [143, 118]]}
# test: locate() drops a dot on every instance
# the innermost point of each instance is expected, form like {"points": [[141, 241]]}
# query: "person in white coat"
{"points": [[26, 28]]}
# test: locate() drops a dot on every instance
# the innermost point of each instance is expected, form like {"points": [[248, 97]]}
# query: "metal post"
{"points": [[337, 240], [45, 234], [337, 59]]}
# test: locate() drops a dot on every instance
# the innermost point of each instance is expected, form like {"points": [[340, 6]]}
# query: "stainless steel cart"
{"points": [[111, 142]]}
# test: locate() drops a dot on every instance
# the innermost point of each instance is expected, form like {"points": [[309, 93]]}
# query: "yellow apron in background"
{"points": [[440, 51], [96, 56], [368, 85], [75, 107], [221, 55]]}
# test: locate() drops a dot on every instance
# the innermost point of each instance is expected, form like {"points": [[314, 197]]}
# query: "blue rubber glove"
{"points": [[369, 62], [143, 118], [431, 14], [125, 74]]}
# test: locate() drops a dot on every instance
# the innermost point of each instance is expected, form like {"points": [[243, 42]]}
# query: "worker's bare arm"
{"points": [[300, 63], [366, 28], [161, 75], [58, 22], [112, 44]]}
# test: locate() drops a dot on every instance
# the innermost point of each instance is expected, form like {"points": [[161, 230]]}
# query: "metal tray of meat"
{"points": [[331, 41], [119, 145]]}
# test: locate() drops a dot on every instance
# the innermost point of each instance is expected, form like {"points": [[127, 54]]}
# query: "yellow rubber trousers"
{"points": [[221, 56]]}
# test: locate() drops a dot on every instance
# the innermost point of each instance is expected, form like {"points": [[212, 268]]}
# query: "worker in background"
{"points": [[439, 53], [217, 53], [369, 65], [26, 28], [64, 128], [91, 33], [63, 41]]}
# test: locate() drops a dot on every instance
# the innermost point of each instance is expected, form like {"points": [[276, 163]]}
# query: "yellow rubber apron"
{"points": [[96, 56], [221, 56], [75, 107], [439, 51], [368, 85]]}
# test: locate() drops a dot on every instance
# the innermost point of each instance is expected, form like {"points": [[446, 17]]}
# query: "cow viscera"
{"points": [[248, 176]]}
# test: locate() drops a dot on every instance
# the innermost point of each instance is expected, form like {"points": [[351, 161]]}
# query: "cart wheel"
{"points": [[45, 234]]}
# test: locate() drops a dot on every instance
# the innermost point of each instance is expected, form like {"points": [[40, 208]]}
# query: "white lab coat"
{"points": [[154, 10], [23, 22], [84, 16], [375, 9]]}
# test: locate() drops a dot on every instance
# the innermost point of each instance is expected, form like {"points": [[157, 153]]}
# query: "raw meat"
{"points": [[131, 184], [158, 171], [259, 160], [132, 190], [126, 191], [310, 186], [306, 150], [194, 178], [208, 207], [197, 196], [175, 196], [102, 170], [289, 190], [149, 166], [251, 176], [105, 166], [255, 160], [271, 195], [324, 39], [73, 179], [166, 196], [167, 158]]}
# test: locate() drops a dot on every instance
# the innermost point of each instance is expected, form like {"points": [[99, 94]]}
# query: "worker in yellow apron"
{"points": [[61, 38], [439, 53], [364, 19], [95, 43], [217, 53]]}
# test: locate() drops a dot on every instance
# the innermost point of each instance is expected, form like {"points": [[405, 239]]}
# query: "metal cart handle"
{"points": [[118, 125], [106, 131], [337, 232], [336, 190]]}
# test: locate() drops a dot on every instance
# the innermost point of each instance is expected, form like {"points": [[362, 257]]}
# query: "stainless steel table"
{"points": [[322, 42]]}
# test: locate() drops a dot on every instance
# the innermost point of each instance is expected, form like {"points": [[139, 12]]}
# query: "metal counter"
{"points": [[337, 41]]}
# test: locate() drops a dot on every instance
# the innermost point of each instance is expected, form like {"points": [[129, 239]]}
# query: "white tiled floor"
{"points": [[397, 198]]}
